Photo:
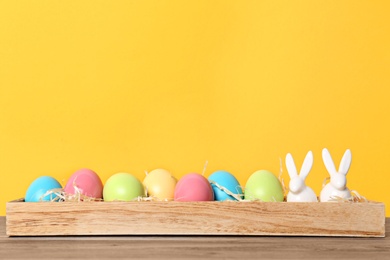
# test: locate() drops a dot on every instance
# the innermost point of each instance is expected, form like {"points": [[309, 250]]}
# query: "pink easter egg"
{"points": [[193, 187], [87, 181]]}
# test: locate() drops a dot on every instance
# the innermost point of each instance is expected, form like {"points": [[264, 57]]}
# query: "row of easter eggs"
{"points": [[161, 185]]}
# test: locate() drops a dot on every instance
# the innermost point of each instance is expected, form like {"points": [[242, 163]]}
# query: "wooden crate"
{"points": [[196, 218]]}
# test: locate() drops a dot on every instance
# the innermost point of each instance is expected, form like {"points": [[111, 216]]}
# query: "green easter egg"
{"points": [[263, 185], [122, 187]]}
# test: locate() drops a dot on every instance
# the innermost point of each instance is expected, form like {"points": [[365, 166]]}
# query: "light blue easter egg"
{"points": [[39, 187], [226, 180]]}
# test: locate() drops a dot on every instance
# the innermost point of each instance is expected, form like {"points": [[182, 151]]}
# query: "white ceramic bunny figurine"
{"points": [[299, 192], [337, 187]]}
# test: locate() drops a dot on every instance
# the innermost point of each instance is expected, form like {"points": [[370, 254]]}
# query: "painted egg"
{"points": [[85, 181], [193, 187], [39, 187], [228, 181], [160, 184], [265, 186], [122, 187]]}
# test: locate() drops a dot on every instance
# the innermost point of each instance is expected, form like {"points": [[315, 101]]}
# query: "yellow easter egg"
{"points": [[160, 184]]}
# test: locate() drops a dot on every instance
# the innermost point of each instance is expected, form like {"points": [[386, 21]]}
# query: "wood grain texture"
{"points": [[192, 247], [196, 218]]}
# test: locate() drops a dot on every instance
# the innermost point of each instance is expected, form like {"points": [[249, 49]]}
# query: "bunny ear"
{"points": [[307, 164], [345, 162], [292, 170], [328, 161]]}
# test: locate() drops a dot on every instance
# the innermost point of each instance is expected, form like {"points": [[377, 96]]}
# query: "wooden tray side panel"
{"points": [[196, 218]]}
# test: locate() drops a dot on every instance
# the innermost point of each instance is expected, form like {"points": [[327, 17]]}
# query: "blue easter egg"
{"points": [[227, 180], [39, 187]]}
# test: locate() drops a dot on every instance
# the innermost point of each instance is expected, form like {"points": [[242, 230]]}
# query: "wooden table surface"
{"points": [[192, 247]]}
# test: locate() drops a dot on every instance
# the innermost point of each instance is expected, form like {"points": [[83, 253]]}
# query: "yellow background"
{"points": [[138, 85]]}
